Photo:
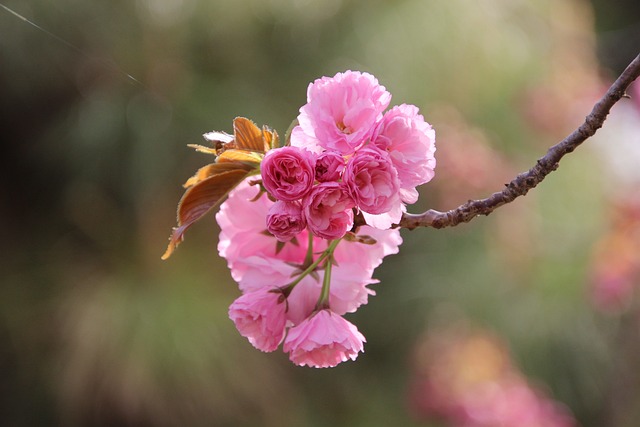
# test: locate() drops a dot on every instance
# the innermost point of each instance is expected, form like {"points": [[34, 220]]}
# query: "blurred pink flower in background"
{"points": [[467, 379], [512, 402], [615, 266], [323, 340]]}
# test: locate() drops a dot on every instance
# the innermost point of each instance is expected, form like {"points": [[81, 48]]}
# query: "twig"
{"points": [[525, 181]]}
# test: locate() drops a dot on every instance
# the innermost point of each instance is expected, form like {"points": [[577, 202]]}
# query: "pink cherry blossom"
{"points": [[342, 111], [285, 220], [288, 173], [323, 340], [327, 209], [301, 140], [252, 255], [410, 142], [372, 181], [329, 166], [260, 317], [386, 220]]}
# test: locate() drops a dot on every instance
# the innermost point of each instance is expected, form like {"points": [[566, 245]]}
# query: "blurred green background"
{"points": [[96, 330]]}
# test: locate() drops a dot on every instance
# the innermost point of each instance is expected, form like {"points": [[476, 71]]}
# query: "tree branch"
{"points": [[525, 181]]}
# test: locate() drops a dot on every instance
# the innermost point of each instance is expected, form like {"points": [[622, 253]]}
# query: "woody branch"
{"points": [[525, 181]]}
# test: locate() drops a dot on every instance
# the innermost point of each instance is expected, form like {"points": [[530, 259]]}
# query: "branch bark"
{"points": [[525, 181]]}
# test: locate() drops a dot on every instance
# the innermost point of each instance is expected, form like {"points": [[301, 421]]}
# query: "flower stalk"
{"points": [[327, 254]]}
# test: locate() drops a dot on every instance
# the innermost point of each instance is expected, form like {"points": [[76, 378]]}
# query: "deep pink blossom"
{"points": [[372, 181], [410, 142], [323, 340], [285, 220], [260, 317], [329, 166], [327, 209], [342, 111], [288, 172]]}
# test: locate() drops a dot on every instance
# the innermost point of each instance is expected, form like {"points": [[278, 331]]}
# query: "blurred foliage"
{"points": [[96, 115]]}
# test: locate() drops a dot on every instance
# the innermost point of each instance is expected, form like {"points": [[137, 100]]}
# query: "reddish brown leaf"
{"points": [[240, 156], [217, 168], [247, 135], [236, 157], [200, 199]]}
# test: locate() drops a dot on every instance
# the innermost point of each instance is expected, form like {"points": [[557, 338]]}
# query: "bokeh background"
{"points": [[530, 312]]}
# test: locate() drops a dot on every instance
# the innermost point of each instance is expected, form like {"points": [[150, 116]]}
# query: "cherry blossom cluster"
{"points": [[289, 238], [282, 285], [347, 153]]}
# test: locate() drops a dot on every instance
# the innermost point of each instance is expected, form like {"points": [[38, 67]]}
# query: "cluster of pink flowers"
{"points": [[269, 312], [347, 153], [287, 249]]}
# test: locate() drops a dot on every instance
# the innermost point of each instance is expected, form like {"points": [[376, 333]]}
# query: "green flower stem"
{"points": [[323, 300], [308, 259], [327, 253]]}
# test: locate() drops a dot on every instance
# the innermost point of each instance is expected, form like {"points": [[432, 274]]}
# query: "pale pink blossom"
{"points": [[301, 140], [385, 220], [323, 340], [253, 256], [260, 317], [342, 111], [410, 142], [285, 220], [329, 166], [288, 173], [372, 181], [328, 210], [368, 257]]}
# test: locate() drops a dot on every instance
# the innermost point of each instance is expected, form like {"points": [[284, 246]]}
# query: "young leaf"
{"points": [[214, 169], [199, 199], [247, 135], [237, 157]]}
